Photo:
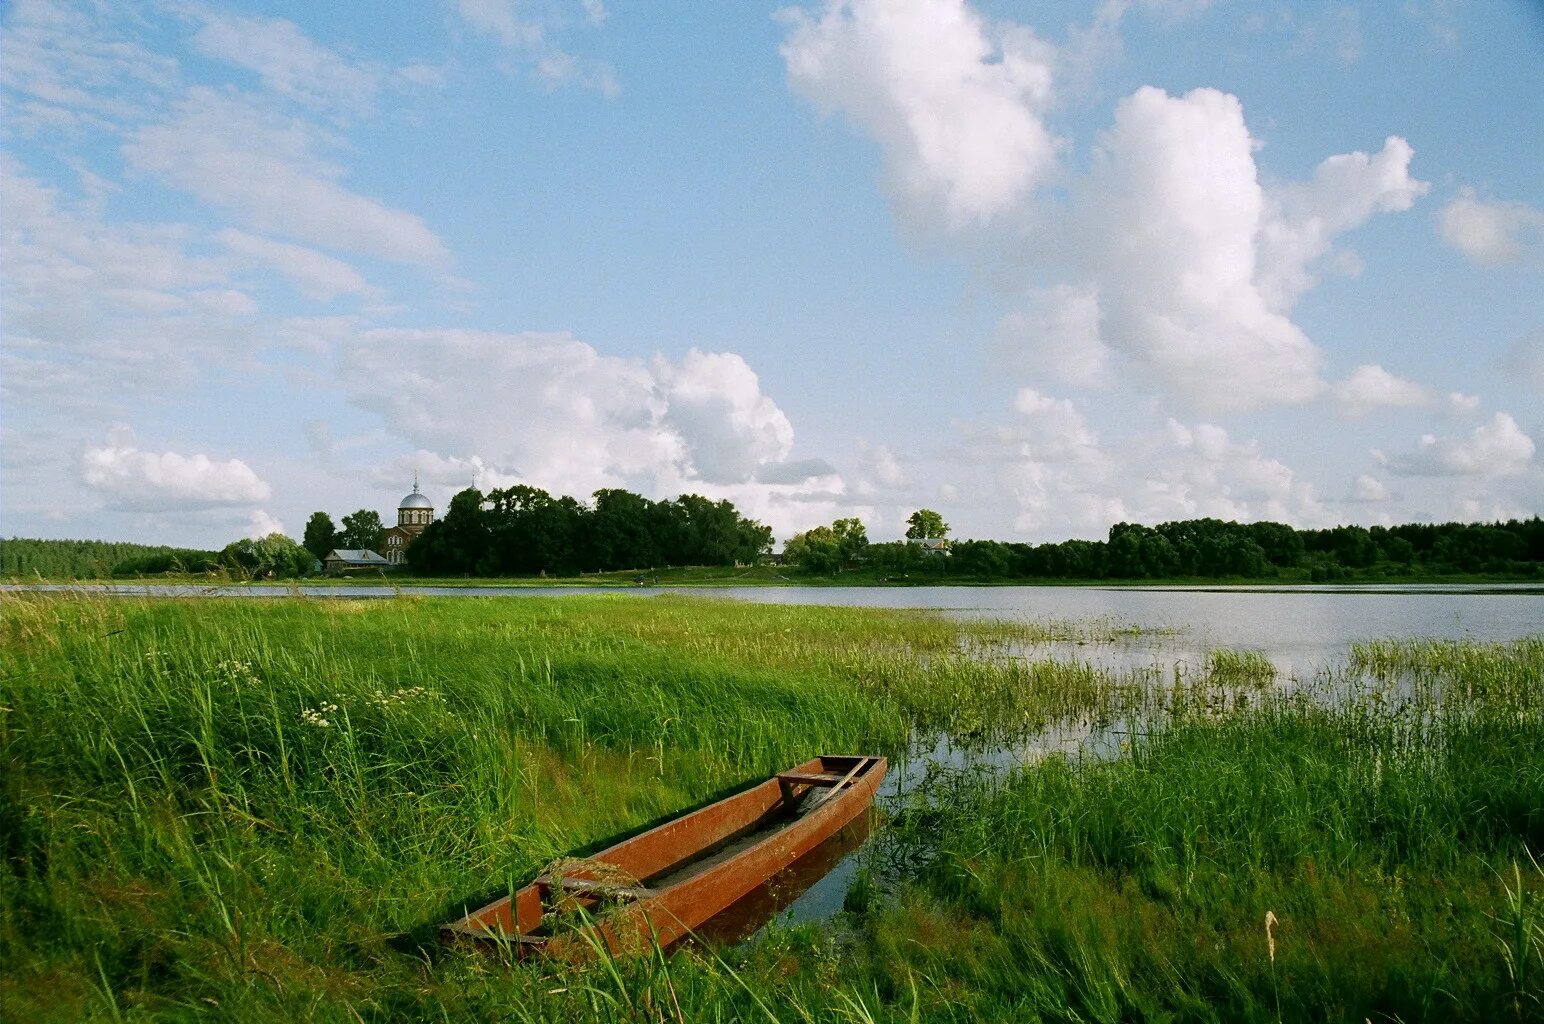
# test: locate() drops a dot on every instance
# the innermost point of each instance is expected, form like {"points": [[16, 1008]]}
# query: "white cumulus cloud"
{"points": [[954, 100], [162, 481], [1167, 263], [553, 411], [1372, 387], [1496, 448], [1170, 212], [1491, 233], [260, 524], [714, 400]]}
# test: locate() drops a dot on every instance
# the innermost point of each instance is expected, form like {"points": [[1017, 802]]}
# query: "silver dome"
{"points": [[416, 500]]}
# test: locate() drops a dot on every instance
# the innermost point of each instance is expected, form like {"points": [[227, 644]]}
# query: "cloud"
{"points": [[95, 309], [315, 274], [69, 68], [263, 168], [1167, 262], [715, 401], [261, 524], [572, 419], [1302, 220], [1195, 265], [1372, 387], [287, 61], [1496, 448], [879, 469], [1491, 233], [1170, 213], [954, 101], [1061, 479], [1055, 335], [502, 20], [1460, 404], [559, 68], [1369, 488], [525, 31], [167, 481]]}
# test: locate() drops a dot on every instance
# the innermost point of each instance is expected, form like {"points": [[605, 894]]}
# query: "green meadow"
{"points": [[256, 810]]}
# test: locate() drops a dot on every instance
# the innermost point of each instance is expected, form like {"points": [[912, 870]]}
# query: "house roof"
{"points": [[354, 557]]}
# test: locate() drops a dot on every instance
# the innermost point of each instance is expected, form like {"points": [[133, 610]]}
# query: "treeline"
{"points": [[97, 559], [524, 531], [1213, 548]]}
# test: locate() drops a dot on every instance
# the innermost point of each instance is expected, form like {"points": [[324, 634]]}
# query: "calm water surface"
{"points": [[1299, 628]]}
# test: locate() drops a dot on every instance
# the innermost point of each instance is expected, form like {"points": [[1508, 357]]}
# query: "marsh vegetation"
{"points": [[260, 810]]}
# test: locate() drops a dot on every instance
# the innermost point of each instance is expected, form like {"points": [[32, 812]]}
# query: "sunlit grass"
{"points": [[258, 810]]}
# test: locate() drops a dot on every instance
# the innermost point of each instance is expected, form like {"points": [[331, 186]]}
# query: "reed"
{"points": [[257, 810]]}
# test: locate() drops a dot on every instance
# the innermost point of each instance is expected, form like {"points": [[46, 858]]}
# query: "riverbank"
{"points": [[710, 577], [258, 810]]}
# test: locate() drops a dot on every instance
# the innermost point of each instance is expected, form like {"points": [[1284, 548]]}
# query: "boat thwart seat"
{"points": [[812, 778], [596, 888]]}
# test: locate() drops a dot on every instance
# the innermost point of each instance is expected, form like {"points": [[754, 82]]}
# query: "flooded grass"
{"points": [[259, 810], [1237, 668]]}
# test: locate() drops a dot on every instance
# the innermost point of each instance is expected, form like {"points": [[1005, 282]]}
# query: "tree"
{"points": [[925, 524], [273, 555], [457, 544], [816, 550], [321, 535], [362, 531], [851, 539]]}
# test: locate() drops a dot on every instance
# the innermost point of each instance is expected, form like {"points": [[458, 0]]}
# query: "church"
{"points": [[414, 512]]}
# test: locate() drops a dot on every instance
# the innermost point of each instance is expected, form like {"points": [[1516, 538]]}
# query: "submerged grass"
{"points": [[257, 810]]}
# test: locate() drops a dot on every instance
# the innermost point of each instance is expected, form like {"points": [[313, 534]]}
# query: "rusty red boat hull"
{"points": [[689, 869]]}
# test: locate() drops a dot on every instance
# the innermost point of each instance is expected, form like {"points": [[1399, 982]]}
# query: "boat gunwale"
{"points": [[859, 788]]}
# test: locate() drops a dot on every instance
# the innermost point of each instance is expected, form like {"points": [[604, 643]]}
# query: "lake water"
{"points": [[1299, 628], [1303, 630]]}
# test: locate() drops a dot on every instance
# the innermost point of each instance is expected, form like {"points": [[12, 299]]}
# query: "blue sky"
{"points": [[1040, 266]]}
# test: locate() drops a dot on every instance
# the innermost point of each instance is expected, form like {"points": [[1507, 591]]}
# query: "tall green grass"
{"points": [[258, 810], [1394, 842], [253, 797]]}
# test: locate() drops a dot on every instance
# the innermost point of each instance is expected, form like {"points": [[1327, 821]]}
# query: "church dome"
{"points": [[416, 500]]}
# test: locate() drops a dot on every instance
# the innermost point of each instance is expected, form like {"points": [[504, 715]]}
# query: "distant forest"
{"points": [[1213, 548], [524, 531], [97, 559], [516, 531]]}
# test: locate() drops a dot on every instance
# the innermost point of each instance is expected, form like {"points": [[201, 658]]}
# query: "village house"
{"points": [[347, 561]]}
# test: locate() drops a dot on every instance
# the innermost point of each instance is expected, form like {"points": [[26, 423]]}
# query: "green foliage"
{"points": [[362, 531], [851, 539], [816, 550], [925, 524], [321, 535], [524, 530], [95, 559], [828, 549], [1215, 549], [273, 556]]}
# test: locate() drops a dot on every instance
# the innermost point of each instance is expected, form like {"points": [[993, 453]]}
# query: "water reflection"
{"points": [[811, 888]]}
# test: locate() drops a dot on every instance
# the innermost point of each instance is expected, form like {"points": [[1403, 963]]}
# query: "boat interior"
{"points": [[668, 855]]}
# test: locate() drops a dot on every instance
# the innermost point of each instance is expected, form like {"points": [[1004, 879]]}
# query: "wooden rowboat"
{"points": [[664, 883]]}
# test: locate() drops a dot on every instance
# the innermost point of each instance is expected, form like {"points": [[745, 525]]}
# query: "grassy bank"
{"points": [[779, 576], [255, 811]]}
